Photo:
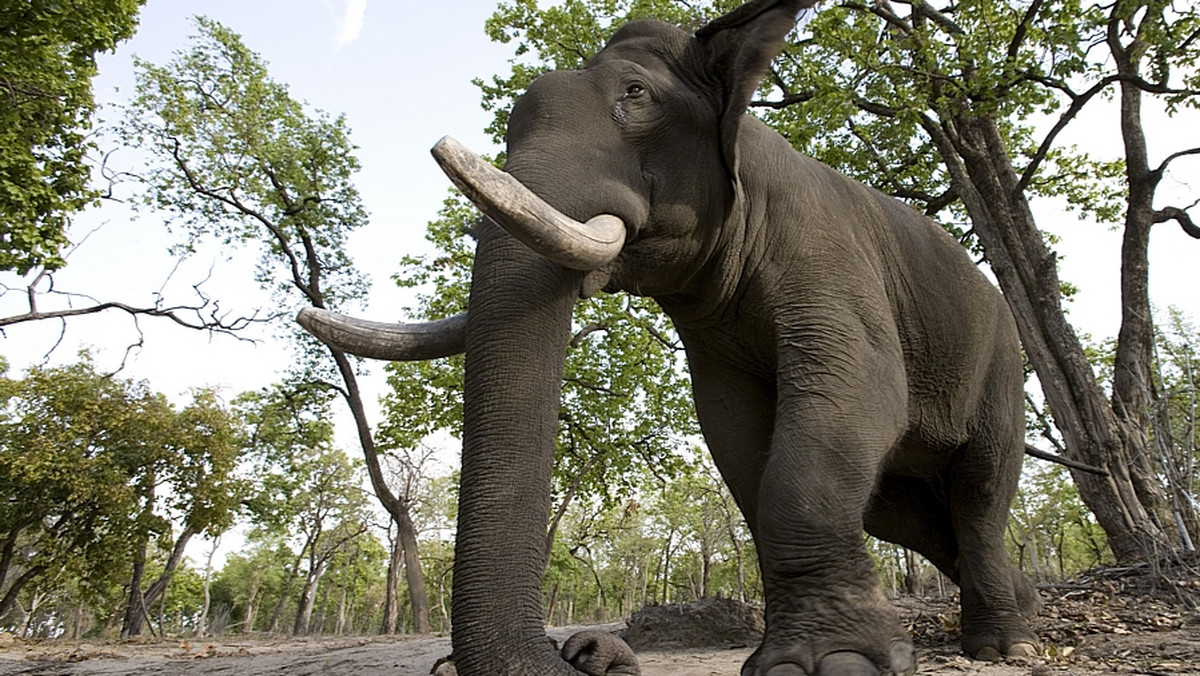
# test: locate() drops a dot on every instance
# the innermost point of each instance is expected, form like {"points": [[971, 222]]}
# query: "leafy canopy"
{"points": [[235, 158], [47, 62]]}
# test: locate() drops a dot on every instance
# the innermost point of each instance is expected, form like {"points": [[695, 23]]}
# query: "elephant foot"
{"points": [[1017, 650], [901, 661], [994, 643], [598, 653], [858, 635]]}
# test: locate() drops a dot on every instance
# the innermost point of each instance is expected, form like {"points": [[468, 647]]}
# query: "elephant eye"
{"points": [[634, 90]]}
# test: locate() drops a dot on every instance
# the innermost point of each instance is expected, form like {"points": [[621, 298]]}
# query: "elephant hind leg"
{"points": [[995, 595], [907, 511]]}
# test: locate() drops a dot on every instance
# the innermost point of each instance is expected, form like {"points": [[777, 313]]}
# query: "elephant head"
{"points": [[809, 307]]}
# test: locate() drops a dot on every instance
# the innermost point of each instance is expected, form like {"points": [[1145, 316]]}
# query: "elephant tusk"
{"points": [[546, 230], [387, 341]]}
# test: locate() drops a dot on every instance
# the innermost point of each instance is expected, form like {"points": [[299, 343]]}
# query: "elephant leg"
{"points": [[907, 511], [736, 413], [995, 597], [825, 613]]}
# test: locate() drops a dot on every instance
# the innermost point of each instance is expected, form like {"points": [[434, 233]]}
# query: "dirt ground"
{"points": [[1108, 622]]}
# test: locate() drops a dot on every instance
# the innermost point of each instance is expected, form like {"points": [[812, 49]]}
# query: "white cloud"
{"points": [[352, 22]]}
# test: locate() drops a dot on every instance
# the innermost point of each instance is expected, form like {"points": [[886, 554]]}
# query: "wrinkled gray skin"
{"points": [[852, 368]]}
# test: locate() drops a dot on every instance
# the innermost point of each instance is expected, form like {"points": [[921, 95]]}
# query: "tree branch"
{"points": [[1078, 101], [1162, 168], [1014, 45], [1073, 464], [1181, 216], [207, 313]]}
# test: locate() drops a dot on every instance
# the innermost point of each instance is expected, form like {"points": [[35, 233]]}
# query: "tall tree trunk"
{"points": [[983, 176], [251, 597], [413, 576], [159, 586], [391, 604], [202, 626], [398, 509], [1134, 397], [136, 610], [308, 596]]}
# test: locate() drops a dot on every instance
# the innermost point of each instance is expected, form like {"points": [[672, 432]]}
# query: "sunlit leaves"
{"points": [[90, 463], [47, 62], [238, 160]]}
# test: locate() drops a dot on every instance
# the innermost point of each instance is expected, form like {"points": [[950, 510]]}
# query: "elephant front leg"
{"points": [[825, 614]]}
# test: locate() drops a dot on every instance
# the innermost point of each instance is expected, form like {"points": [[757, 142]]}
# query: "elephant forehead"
{"points": [[646, 36]]}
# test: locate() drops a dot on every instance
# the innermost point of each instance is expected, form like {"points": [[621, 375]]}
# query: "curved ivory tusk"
{"points": [[387, 341], [546, 230]]}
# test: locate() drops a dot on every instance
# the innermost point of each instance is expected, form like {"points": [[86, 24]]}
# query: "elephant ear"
{"points": [[739, 48]]}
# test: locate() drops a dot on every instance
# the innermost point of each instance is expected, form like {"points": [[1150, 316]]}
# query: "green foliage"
{"points": [[47, 62], [674, 541], [238, 160], [91, 465], [1051, 533]]}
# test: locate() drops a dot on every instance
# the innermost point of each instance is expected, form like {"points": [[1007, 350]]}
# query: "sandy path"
{"points": [[414, 656]]}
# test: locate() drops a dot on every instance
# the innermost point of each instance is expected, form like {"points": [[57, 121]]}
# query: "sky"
{"points": [[401, 74]]}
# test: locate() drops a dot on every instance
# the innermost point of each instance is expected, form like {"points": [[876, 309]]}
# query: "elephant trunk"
{"points": [[518, 323]]}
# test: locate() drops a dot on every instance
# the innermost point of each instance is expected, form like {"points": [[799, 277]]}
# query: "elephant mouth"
{"points": [[500, 196]]}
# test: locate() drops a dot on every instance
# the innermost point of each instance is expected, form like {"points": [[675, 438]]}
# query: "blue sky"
{"points": [[401, 73]]}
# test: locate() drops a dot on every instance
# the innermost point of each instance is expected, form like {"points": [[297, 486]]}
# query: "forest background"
{"points": [[239, 499]]}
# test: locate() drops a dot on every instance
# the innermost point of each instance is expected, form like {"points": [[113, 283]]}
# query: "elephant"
{"points": [[852, 368]]}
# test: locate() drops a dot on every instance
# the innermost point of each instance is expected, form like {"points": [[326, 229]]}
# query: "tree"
{"points": [[238, 160], [72, 441], [187, 479], [47, 62], [304, 488], [94, 470]]}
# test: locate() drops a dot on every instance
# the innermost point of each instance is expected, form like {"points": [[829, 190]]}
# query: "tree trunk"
{"points": [[1134, 398], [136, 611], [398, 509], [391, 604], [413, 576], [251, 597], [135, 608], [983, 175], [202, 626], [159, 586], [308, 596], [10, 597]]}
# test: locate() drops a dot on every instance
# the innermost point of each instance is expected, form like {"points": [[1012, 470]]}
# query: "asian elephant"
{"points": [[852, 369]]}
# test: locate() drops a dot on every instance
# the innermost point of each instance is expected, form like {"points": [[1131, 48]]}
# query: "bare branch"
{"points": [[1181, 216], [205, 314], [1078, 101], [214, 322], [787, 100], [1162, 168], [1073, 464]]}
